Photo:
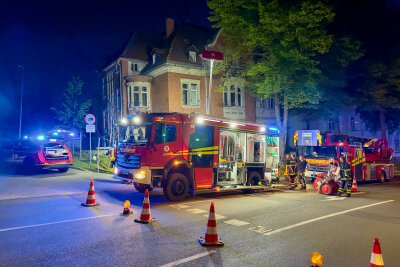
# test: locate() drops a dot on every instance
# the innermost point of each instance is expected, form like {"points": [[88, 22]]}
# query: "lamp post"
{"points": [[211, 56], [21, 68]]}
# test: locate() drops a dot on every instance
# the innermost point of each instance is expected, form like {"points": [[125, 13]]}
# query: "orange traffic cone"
{"points": [[354, 186], [211, 237], [90, 201], [145, 216], [376, 255]]}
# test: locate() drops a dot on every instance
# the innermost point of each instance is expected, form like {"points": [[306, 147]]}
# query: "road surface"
{"points": [[259, 229]]}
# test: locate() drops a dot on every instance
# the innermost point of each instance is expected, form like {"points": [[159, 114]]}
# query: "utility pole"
{"points": [[21, 68]]}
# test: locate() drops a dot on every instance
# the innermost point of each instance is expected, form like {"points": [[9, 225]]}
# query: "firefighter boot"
{"points": [[348, 195]]}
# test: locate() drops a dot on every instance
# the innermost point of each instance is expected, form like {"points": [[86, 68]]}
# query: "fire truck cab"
{"points": [[183, 153]]}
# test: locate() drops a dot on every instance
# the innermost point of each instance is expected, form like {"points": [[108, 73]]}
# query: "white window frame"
{"points": [[131, 94], [154, 58], [192, 56], [227, 97], [189, 84]]}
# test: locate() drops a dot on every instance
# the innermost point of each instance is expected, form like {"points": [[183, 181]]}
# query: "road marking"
{"points": [[43, 224], [259, 229], [236, 222], [179, 206], [196, 211], [193, 202], [332, 198], [191, 258], [324, 217], [217, 216]]}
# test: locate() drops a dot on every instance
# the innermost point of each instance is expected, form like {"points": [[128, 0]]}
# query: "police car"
{"points": [[34, 155]]}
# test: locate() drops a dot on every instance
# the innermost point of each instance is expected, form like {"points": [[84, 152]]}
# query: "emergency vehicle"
{"points": [[33, 155], [369, 158], [184, 152]]}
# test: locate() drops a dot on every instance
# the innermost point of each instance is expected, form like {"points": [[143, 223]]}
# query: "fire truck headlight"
{"points": [[116, 171], [140, 175], [124, 121], [137, 119], [262, 129]]}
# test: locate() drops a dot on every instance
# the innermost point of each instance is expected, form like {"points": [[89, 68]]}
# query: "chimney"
{"points": [[169, 27]]}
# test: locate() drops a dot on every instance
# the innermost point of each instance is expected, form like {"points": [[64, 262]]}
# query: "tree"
{"points": [[73, 110], [275, 46]]}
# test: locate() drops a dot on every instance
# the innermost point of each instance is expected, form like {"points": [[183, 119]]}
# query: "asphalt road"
{"points": [[259, 229]]}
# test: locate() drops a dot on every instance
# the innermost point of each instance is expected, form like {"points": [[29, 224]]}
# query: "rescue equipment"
{"points": [[376, 255], [90, 201], [211, 236], [145, 216]]}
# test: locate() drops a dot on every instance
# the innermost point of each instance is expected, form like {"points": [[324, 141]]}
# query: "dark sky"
{"points": [[57, 39]]}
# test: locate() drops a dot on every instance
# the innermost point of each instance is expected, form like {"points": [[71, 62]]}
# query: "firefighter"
{"points": [[302, 172], [286, 169], [111, 153], [291, 170], [345, 177]]}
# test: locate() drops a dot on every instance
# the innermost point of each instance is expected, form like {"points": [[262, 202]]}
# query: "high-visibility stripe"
{"points": [[376, 259], [211, 231], [152, 168]]}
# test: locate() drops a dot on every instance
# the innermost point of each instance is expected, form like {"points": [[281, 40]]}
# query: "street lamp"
{"points": [[211, 56], [21, 68]]}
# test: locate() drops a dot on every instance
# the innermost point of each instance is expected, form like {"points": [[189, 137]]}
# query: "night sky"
{"points": [[55, 40]]}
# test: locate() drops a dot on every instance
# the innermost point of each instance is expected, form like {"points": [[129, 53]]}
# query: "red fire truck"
{"points": [[369, 158], [183, 153]]}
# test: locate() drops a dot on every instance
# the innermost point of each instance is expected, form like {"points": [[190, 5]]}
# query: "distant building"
{"points": [[167, 74]]}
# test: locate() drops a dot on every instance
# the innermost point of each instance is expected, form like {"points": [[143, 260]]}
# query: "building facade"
{"points": [[167, 74]]}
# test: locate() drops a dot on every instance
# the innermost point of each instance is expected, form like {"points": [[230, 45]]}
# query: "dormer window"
{"points": [[154, 58], [134, 67], [192, 56]]}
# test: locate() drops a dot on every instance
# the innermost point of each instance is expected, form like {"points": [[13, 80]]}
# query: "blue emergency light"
{"points": [[40, 137]]}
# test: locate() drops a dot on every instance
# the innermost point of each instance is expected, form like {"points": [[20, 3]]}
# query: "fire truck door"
{"points": [[202, 151], [165, 145]]}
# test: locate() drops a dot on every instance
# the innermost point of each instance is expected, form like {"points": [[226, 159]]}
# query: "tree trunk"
{"points": [[383, 124], [282, 125]]}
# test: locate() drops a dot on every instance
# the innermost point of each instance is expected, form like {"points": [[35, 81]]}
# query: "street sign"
{"points": [[212, 55], [90, 119], [90, 128]]}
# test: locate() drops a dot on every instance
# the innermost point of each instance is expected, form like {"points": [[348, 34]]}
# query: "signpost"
{"points": [[90, 128], [211, 56]]}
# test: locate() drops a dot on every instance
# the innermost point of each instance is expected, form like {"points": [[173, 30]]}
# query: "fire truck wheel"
{"points": [[383, 177], [177, 187], [141, 187], [254, 178]]}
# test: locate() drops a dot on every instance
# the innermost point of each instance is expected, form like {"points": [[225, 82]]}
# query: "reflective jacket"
{"points": [[345, 171], [291, 167]]}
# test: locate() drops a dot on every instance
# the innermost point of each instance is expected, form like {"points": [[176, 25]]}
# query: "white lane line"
{"points": [[196, 211], [259, 229], [333, 198], [43, 224], [235, 222], [217, 216], [324, 217], [194, 257]]}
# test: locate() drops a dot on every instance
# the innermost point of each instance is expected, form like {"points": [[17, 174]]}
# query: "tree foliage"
{"points": [[280, 49], [72, 111]]}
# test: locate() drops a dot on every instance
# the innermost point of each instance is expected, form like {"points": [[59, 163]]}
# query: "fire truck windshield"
{"points": [[135, 134], [324, 152]]}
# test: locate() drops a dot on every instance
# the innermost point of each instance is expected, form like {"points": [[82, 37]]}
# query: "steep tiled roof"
{"points": [[139, 46]]}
